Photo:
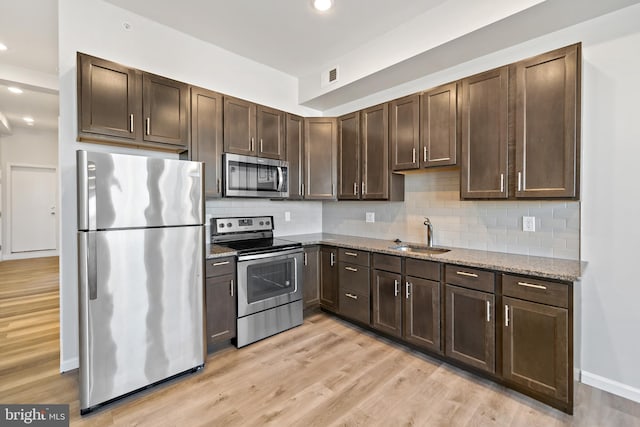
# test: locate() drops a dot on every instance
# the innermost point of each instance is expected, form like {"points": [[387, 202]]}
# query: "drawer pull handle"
{"points": [[351, 269], [215, 264], [506, 315], [531, 285], [352, 296], [351, 254], [464, 273]]}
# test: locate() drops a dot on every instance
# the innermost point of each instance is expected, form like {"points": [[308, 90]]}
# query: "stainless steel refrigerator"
{"points": [[140, 258]]}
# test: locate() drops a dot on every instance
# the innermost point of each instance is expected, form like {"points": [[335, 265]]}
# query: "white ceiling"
{"points": [[42, 106], [288, 35]]}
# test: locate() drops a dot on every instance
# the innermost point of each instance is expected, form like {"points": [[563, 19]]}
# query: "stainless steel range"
{"points": [[269, 276]]}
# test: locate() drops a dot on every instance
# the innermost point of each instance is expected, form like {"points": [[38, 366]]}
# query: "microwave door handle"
{"points": [[280, 178]]}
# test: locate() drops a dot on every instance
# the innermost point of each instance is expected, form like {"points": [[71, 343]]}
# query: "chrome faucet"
{"points": [[429, 226]]}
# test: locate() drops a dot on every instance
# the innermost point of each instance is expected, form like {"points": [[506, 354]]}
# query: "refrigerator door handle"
{"points": [[86, 176], [88, 264]]}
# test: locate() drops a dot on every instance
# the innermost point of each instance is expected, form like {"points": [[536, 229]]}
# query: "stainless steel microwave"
{"points": [[248, 176]]}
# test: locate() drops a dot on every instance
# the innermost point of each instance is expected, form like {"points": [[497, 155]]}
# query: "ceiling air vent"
{"points": [[333, 75], [330, 76]]}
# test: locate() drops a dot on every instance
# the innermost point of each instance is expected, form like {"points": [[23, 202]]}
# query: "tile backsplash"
{"points": [[487, 225]]}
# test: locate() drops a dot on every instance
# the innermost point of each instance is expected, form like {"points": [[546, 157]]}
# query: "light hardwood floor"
{"points": [[326, 372]]}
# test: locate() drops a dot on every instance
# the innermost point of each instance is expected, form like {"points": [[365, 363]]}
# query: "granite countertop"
{"points": [[217, 251], [551, 268]]}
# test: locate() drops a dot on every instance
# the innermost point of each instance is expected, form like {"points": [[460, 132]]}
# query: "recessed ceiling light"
{"points": [[29, 120], [14, 89], [322, 5], [3, 47]]}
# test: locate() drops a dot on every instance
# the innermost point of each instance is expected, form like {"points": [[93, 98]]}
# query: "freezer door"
{"points": [[123, 191], [141, 308]]}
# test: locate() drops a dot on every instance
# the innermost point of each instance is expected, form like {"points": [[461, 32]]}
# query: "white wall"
{"points": [[32, 146], [95, 27]]}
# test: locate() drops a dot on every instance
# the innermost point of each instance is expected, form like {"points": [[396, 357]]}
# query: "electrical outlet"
{"points": [[528, 223], [371, 217], [287, 216]]}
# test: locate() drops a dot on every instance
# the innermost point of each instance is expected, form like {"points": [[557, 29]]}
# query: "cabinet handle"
{"points": [[502, 183], [332, 259], [519, 181], [215, 264], [252, 143], [488, 311], [231, 287], [413, 155], [425, 153], [464, 273], [506, 315], [351, 254], [305, 258], [531, 285], [131, 123], [148, 125], [351, 269], [218, 185], [363, 188], [352, 296], [355, 188], [407, 290], [395, 288], [261, 150], [302, 188]]}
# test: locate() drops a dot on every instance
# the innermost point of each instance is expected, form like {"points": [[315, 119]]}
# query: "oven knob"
{"points": [[221, 225], [268, 223], [228, 224], [261, 222]]}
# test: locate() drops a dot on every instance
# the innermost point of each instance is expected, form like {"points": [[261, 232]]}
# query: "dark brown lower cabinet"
{"points": [[470, 327], [311, 276], [421, 324], [535, 352], [220, 300], [387, 302], [353, 285], [329, 278]]}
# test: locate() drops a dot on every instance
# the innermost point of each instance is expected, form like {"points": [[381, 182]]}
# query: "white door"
{"points": [[33, 223]]}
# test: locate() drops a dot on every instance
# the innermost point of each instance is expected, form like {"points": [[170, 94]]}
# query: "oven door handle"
{"points": [[270, 254], [280, 181]]}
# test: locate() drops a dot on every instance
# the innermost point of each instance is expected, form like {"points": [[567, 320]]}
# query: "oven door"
{"points": [[268, 280]]}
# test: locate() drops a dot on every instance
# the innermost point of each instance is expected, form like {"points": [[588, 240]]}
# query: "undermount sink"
{"points": [[421, 249]]}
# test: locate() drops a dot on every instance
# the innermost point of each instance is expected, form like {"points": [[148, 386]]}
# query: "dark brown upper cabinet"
{"points": [[295, 155], [239, 126], [546, 124], [206, 137], [404, 118], [485, 99], [121, 105], [439, 126], [109, 97], [165, 110], [270, 133], [320, 158], [349, 157]]}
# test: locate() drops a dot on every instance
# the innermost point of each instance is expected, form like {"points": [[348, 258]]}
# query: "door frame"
{"points": [[7, 208]]}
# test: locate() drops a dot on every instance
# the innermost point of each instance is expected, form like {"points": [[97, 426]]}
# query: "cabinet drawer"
{"points": [[424, 269], [470, 278], [535, 290], [220, 266], [354, 306], [353, 256], [387, 263], [353, 277]]}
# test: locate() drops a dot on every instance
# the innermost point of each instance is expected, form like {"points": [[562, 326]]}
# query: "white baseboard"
{"points": [[614, 387], [26, 255], [69, 365]]}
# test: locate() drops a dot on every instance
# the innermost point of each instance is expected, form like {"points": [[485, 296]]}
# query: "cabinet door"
{"points": [[405, 132], [421, 324], [484, 135], [270, 133], [320, 155], [387, 302], [165, 108], [547, 108], [311, 276], [439, 125], [295, 155], [470, 327], [329, 278], [109, 99], [206, 137], [221, 308], [349, 157], [535, 347], [239, 126], [375, 153]]}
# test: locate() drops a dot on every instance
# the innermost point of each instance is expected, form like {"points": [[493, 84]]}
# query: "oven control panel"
{"points": [[241, 224]]}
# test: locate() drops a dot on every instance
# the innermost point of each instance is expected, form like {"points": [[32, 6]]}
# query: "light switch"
{"points": [[528, 223], [287, 216], [371, 217]]}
